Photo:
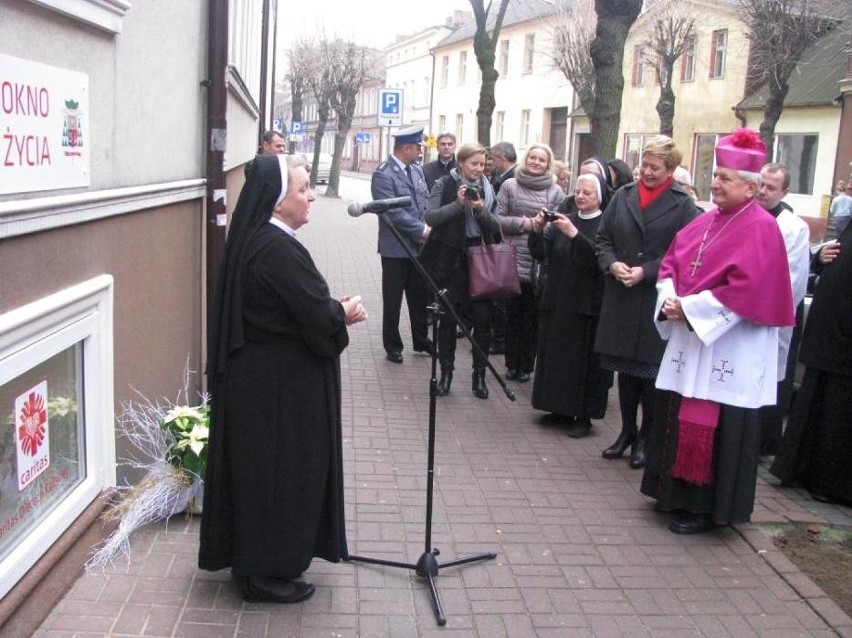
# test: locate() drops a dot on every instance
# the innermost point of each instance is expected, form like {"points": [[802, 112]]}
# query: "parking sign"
{"points": [[390, 107]]}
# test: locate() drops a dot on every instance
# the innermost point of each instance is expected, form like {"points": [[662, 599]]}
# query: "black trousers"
{"points": [[480, 313], [522, 330], [400, 276]]}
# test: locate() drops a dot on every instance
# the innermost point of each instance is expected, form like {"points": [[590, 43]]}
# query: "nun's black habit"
{"points": [[273, 491]]}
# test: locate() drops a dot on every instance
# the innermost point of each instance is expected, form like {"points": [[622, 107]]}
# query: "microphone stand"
{"points": [[427, 565]]}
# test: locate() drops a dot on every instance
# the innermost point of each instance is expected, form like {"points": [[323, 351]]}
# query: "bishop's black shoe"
{"points": [[393, 356], [689, 523]]}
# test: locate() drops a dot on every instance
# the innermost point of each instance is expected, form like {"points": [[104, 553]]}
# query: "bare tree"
{"points": [[350, 66], [300, 69], [320, 82], [615, 18], [484, 46], [571, 38], [670, 31], [780, 31]]}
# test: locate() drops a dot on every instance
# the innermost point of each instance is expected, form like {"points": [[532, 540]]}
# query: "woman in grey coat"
{"points": [[637, 228], [520, 199]]}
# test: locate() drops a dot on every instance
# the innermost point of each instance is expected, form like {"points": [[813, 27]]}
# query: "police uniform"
{"points": [[391, 179]]}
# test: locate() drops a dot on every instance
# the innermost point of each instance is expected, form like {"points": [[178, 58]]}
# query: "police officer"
{"points": [[400, 176]]}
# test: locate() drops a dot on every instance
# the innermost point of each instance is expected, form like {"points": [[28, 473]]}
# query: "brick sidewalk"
{"points": [[580, 552]]}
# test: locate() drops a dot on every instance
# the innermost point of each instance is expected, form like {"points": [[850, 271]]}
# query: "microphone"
{"points": [[356, 209]]}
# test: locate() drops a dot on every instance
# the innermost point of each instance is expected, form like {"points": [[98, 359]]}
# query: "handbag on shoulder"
{"points": [[492, 271]]}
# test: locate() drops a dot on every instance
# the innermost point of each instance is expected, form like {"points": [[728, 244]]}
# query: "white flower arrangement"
{"points": [[169, 442]]}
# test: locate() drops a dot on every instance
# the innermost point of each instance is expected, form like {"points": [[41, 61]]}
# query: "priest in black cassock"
{"points": [[569, 381], [273, 490]]}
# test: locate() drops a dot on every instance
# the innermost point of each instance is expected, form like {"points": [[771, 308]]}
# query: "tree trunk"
{"points": [[486, 106], [772, 112], [666, 104], [614, 20], [344, 125], [322, 119]]}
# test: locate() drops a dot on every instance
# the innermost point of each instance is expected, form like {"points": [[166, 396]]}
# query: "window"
{"points": [[425, 98], [459, 126], [525, 127], [634, 144], [718, 53], [500, 125], [462, 66], [445, 71], [638, 65], [687, 60], [503, 67], [442, 123], [56, 379], [798, 153], [529, 50]]}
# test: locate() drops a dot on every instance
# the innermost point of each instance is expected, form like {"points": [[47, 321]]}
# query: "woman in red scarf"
{"points": [[637, 228]]}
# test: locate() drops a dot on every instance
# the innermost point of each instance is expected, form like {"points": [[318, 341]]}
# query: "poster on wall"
{"points": [[32, 434], [44, 124]]}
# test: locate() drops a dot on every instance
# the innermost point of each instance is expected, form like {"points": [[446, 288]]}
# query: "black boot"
{"points": [[480, 390], [638, 456], [624, 441], [443, 388]]}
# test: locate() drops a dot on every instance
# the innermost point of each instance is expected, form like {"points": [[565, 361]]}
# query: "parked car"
{"points": [[323, 168]]}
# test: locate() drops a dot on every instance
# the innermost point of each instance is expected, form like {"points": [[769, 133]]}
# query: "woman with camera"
{"points": [[460, 216], [569, 381], [519, 201]]}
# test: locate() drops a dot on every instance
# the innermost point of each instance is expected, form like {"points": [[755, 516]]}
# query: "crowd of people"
{"points": [[697, 316], [624, 278]]}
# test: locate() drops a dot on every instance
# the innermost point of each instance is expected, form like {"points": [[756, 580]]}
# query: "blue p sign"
{"points": [[390, 103]]}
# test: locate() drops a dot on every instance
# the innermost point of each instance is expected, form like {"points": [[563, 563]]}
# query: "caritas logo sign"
{"points": [[32, 434]]}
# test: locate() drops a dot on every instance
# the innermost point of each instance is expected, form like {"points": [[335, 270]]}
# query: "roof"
{"points": [[815, 81], [517, 12]]}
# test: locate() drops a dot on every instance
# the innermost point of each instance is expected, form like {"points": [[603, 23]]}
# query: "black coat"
{"points": [[568, 376], [444, 254], [827, 339], [433, 171], [638, 238]]}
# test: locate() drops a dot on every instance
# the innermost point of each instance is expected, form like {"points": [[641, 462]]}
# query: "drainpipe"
{"points": [[264, 121], [217, 137]]}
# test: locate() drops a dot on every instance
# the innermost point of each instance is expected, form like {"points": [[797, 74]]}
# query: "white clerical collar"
{"points": [[590, 215], [277, 222]]}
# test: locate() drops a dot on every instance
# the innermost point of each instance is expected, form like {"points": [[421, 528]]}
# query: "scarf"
{"points": [[648, 195], [533, 182]]}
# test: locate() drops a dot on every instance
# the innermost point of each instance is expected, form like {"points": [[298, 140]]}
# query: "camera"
{"points": [[550, 215], [472, 193]]}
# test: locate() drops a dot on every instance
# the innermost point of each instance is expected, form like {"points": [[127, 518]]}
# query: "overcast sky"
{"points": [[370, 22]]}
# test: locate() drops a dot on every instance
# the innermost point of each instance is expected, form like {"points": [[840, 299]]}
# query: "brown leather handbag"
{"points": [[492, 271]]}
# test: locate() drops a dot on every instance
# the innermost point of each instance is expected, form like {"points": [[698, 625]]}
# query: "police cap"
{"points": [[410, 135]]}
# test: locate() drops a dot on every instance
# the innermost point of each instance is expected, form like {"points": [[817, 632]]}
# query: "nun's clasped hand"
{"points": [[354, 309]]}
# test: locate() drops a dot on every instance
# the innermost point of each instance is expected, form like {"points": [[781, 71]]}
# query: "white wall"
{"points": [[147, 104]]}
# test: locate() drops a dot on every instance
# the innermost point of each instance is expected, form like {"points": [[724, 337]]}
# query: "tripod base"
{"points": [[427, 567]]}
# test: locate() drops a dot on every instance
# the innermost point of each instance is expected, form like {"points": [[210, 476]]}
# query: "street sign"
{"points": [[296, 128], [390, 107], [279, 124], [362, 138]]}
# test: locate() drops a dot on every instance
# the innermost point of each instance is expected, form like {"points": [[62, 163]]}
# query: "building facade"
{"points": [[103, 249]]}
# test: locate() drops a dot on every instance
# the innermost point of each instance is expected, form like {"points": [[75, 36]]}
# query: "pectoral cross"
{"points": [[695, 263], [680, 361]]}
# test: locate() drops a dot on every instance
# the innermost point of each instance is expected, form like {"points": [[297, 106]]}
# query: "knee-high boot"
{"points": [[629, 394], [638, 453]]}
